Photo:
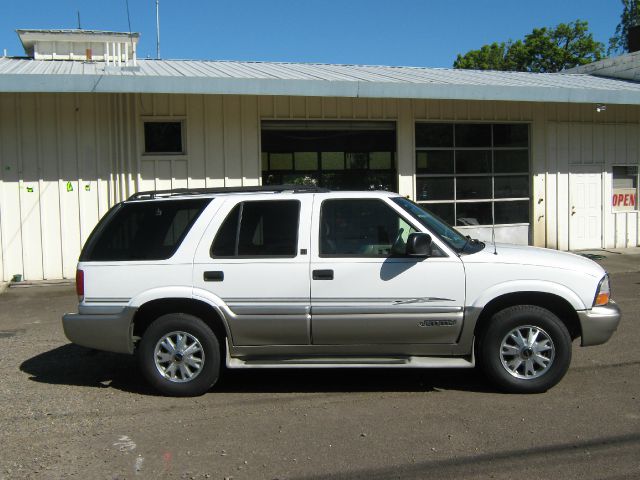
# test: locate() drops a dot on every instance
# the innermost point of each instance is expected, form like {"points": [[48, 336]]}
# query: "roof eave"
{"points": [[69, 83]]}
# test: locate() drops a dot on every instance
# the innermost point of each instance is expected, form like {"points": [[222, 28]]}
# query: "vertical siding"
{"points": [[65, 158], [11, 224], [55, 184], [581, 140]]}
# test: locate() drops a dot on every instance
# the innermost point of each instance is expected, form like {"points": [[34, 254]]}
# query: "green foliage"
{"points": [[542, 50], [629, 18]]}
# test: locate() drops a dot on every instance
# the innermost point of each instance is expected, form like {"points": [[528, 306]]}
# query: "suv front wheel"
{"points": [[179, 355], [525, 349]]}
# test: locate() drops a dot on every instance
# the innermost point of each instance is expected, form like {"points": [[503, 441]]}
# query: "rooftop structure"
{"points": [[118, 48]]}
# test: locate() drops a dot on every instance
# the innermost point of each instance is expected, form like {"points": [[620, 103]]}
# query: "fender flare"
{"points": [[188, 293], [519, 286]]}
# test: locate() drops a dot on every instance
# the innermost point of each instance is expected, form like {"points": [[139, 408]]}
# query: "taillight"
{"points": [[80, 284], [603, 294]]}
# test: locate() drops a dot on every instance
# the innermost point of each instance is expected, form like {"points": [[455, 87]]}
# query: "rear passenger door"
{"points": [[254, 257]]}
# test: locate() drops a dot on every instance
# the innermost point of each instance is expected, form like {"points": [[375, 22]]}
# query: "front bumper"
{"points": [[599, 323], [111, 332]]}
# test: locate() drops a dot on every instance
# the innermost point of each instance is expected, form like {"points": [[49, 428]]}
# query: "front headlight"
{"points": [[603, 294]]}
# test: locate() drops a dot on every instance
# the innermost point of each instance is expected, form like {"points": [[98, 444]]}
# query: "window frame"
{"points": [[243, 257], [454, 201], [182, 120]]}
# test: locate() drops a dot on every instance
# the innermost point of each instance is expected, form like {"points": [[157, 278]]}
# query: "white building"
{"points": [[551, 158]]}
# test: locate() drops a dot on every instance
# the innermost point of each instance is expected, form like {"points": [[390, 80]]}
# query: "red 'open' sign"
{"points": [[624, 199]]}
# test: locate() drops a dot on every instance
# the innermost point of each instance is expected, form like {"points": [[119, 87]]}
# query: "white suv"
{"points": [[270, 277]]}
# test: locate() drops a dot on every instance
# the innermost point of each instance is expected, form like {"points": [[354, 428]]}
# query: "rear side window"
{"points": [[259, 229], [143, 231]]}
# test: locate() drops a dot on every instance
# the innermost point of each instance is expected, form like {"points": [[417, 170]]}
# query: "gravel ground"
{"points": [[69, 412]]}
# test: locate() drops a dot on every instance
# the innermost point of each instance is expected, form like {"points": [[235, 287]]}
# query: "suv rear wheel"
{"points": [[525, 349], [179, 355]]}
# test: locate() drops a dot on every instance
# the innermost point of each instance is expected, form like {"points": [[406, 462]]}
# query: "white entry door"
{"points": [[585, 210]]}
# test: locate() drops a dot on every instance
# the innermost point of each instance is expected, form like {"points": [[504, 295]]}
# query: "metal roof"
{"points": [[625, 67], [273, 78]]}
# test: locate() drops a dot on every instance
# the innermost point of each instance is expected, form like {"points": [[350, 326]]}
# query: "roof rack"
{"points": [[208, 191]]}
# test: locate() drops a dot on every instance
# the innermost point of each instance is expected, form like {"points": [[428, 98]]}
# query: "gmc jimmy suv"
{"points": [[301, 277]]}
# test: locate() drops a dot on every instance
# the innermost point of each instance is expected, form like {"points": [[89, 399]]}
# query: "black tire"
{"points": [[208, 356], [501, 368]]}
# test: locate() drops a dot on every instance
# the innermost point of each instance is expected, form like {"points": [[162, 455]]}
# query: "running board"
{"points": [[352, 362]]}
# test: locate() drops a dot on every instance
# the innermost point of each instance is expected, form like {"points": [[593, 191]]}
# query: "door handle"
{"points": [[213, 276], [322, 274]]}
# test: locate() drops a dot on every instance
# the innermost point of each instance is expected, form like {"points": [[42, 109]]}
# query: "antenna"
{"points": [[158, 29], [79, 25], [493, 230], [130, 34]]}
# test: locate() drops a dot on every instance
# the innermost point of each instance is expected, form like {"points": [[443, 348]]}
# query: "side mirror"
{"points": [[419, 245]]}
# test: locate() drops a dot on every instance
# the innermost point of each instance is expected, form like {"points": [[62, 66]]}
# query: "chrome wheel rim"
{"points": [[179, 357], [527, 352]]}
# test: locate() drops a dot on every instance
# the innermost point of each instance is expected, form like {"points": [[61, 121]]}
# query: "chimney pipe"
{"points": [[633, 39]]}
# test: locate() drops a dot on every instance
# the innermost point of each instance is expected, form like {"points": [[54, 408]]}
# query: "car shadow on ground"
{"points": [[74, 365]]}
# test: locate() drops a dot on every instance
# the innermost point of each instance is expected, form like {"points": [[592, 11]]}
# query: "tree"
{"points": [[542, 50], [629, 18]]}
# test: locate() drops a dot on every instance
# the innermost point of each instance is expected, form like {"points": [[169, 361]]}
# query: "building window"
{"points": [[163, 137], [337, 155], [625, 188], [474, 174]]}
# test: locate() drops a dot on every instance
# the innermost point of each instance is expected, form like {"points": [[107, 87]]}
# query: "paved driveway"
{"points": [[69, 411]]}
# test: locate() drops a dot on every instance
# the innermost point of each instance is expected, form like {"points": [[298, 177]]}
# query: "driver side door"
{"points": [[366, 291]]}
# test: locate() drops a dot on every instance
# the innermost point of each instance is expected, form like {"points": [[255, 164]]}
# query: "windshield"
{"points": [[435, 224]]}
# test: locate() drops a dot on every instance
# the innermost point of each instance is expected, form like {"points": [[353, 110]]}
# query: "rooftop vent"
{"points": [[113, 48]]}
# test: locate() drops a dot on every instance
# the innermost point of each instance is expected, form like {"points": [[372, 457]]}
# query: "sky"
{"points": [[394, 32]]}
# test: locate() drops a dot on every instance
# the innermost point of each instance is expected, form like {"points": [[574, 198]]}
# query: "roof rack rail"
{"points": [[208, 191]]}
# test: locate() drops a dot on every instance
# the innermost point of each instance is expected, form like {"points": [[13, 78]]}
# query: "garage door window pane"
{"points": [[473, 135], [434, 135], [473, 213], [512, 186], [511, 161], [357, 161], [332, 160], [512, 212], [515, 135], [434, 161], [473, 187], [306, 160], [442, 210], [438, 188], [473, 161], [281, 161], [380, 161]]}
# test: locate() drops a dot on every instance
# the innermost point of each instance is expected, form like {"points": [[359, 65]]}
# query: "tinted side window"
{"points": [[259, 229], [367, 228], [143, 231]]}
